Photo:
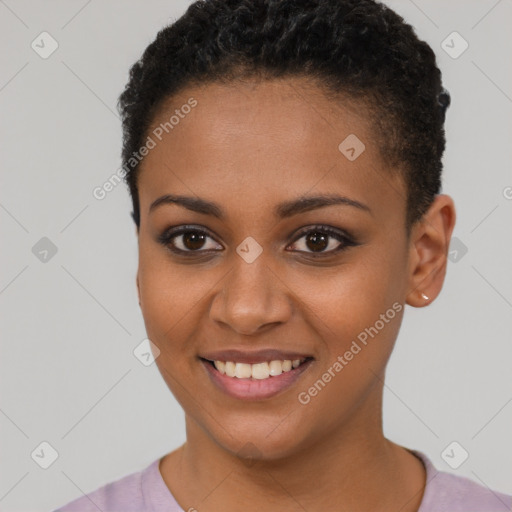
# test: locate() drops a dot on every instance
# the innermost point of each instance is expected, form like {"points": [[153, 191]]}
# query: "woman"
{"points": [[284, 163]]}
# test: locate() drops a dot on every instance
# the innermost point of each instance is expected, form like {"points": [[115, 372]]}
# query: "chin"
{"points": [[271, 441]]}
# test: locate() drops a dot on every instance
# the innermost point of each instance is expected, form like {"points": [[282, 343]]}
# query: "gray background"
{"points": [[70, 324]]}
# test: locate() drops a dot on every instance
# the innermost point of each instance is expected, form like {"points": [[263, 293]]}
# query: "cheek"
{"points": [[169, 303], [357, 330], [357, 315], [168, 291], [167, 299], [357, 321], [347, 298]]}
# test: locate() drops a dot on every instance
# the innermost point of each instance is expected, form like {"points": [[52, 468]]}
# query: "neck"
{"points": [[351, 468]]}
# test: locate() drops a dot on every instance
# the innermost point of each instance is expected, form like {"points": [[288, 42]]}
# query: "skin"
{"points": [[249, 147]]}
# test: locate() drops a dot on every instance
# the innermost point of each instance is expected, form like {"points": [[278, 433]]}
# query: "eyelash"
{"points": [[346, 240]]}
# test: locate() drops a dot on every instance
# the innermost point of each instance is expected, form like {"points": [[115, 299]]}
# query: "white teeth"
{"points": [[258, 370], [243, 370], [287, 365], [221, 366], [230, 369], [276, 368]]}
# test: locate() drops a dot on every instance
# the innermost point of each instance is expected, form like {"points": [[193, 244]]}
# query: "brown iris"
{"points": [[317, 240]]}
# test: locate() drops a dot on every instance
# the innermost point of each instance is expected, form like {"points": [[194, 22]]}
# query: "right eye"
{"points": [[187, 239]]}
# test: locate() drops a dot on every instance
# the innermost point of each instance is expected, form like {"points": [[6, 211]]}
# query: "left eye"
{"points": [[322, 240]]}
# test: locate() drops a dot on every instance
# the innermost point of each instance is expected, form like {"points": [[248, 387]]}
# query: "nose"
{"points": [[252, 299]]}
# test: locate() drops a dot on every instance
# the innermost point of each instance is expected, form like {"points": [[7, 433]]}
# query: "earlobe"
{"points": [[430, 240]]}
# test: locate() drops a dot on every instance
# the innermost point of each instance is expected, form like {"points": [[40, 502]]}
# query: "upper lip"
{"points": [[253, 356]]}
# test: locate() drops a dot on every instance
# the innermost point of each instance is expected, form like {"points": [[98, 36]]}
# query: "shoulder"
{"points": [[460, 487], [124, 494], [448, 492]]}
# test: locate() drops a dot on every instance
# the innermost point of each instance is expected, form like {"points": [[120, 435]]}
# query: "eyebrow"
{"points": [[282, 210]]}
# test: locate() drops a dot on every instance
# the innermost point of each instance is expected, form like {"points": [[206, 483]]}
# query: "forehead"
{"points": [[276, 116], [267, 140]]}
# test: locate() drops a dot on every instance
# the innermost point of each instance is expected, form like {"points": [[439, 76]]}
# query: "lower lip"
{"points": [[255, 389]]}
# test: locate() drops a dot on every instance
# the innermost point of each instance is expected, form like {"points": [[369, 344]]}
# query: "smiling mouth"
{"points": [[258, 371]]}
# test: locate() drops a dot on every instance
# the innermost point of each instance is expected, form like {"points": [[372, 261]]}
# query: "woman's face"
{"points": [[259, 272]]}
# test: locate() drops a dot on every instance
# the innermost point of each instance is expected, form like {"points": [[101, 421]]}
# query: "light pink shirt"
{"points": [[146, 491]]}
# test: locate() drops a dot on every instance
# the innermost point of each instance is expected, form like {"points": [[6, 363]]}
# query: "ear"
{"points": [[428, 257]]}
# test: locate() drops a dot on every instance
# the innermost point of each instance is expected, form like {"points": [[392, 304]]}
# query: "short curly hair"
{"points": [[357, 48]]}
